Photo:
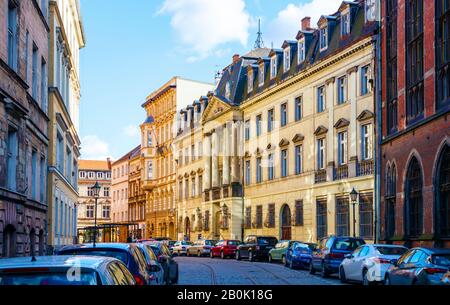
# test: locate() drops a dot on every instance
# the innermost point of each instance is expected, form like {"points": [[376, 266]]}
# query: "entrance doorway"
{"points": [[285, 223]]}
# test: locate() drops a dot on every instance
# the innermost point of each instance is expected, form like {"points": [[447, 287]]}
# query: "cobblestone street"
{"points": [[206, 271]]}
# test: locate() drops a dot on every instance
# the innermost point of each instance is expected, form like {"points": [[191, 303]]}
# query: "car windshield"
{"points": [[187, 243], [347, 244], [299, 247], [272, 241], [171, 243], [118, 254], [391, 250], [210, 242], [60, 279], [234, 243], [441, 260]]}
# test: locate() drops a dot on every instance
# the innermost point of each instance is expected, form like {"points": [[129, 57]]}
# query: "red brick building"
{"points": [[23, 127], [415, 158]]}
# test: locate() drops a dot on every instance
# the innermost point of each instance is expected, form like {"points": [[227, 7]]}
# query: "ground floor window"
{"points": [[342, 216], [366, 216], [321, 212]]}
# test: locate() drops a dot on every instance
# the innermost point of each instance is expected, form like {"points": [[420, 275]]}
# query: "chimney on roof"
{"points": [[306, 23], [236, 58]]}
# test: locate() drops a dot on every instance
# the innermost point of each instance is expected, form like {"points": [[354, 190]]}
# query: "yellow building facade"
{"points": [[287, 135]]}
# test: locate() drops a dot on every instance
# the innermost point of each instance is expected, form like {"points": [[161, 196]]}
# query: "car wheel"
{"points": [[342, 276], [283, 261], [324, 273], [238, 256], [222, 255], [250, 256], [366, 281], [211, 255], [311, 269], [270, 259]]}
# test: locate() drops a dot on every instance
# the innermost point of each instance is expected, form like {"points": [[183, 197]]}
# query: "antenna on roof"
{"points": [[259, 43]]}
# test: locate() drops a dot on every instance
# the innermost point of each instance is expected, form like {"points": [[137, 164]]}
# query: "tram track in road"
{"points": [[213, 273], [273, 274]]}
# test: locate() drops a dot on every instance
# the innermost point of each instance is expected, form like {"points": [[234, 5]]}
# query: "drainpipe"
{"points": [[379, 130]]}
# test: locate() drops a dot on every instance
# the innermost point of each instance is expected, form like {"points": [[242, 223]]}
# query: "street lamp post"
{"points": [[353, 198], [95, 192]]}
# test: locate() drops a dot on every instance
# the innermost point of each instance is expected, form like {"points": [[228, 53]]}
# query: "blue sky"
{"points": [[135, 46]]}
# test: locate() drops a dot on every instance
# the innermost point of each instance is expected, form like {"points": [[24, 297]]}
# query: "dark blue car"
{"points": [[330, 253], [300, 255]]}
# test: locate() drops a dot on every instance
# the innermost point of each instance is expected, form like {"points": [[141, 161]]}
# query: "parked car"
{"points": [[180, 247], [256, 247], [170, 244], [57, 270], [166, 260], [329, 254], [154, 267], [421, 266], [201, 247], [278, 253], [225, 248], [128, 253], [300, 255], [369, 263], [445, 280]]}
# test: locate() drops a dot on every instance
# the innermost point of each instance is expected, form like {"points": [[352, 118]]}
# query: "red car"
{"points": [[225, 248]]}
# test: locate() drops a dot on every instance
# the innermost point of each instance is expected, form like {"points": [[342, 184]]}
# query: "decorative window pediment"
{"points": [[298, 138], [247, 154], [283, 143], [365, 115], [321, 130], [258, 152], [341, 123]]}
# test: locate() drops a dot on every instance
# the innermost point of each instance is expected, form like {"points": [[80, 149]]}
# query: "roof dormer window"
{"points": [[250, 81], [345, 24], [323, 38], [287, 59], [371, 10], [273, 67], [301, 50], [227, 90], [261, 75]]}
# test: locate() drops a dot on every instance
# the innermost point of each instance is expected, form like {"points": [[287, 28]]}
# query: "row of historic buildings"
{"points": [[39, 144]]}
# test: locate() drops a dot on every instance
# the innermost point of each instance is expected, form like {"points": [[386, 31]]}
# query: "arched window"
{"points": [[442, 213], [390, 201], [414, 200]]}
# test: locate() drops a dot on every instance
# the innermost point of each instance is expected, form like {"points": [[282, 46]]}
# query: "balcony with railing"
{"points": [[341, 172], [320, 176], [365, 168]]}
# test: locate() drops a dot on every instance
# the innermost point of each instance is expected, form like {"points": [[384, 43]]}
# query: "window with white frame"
{"points": [[90, 211], [345, 23], [298, 159], [247, 172], [321, 99], [273, 66], [321, 154], [287, 59], [342, 148], [149, 138], [323, 38], [301, 50], [261, 74], [106, 191], [193, 187], [366, 141], [106, 211], [341, 83], [13, 35], [365, 80], [250, 80], [100, 175], [91, 175], [82, 174]]}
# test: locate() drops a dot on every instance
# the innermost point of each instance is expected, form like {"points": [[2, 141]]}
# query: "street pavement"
{"points": [[207, 271]]}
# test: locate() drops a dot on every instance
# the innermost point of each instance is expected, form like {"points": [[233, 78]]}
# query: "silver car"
{"points": [[368, 263], [201, 247], [180, 247]]}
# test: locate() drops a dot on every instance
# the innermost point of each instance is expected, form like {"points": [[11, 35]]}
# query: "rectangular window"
{"points": [[247, 130], [270, 120], [34, 73], [68, 163], [298, 159], [298, 108], [299, 212], [248, 217], [321, 99], [193, 192], [193, 152], [250, 81], [106, 211], [270, 167], [44, 85], [341, 83], [180, 190], [345, 24], [342, 216], [13, 35], [42, 178], [323, 38], [27, 41], [200, 185], [301, 51], [366, 216], [258, 170], [12, 158], [321, 154], [284, 163], [271, 216], [287, 59], [259, 216], [186, 189], [414, 60], [321, 218], [366, 142], [364, 80], [342, 148], [273, 67], [106, 191], [34, 173], [443, 53], [258, 125], [60, 153], [247, 172], [90, 211], [391, 64], [261, 75], [283, 113]]}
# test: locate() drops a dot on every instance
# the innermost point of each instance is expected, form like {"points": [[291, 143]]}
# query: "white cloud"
{"points": [[132, 131], [288, 21], [94, 148], [203, 25]]}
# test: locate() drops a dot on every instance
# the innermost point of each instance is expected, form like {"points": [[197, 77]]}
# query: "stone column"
{"points": [[352, 94], [226, 156], [207, 158], [215, 160]]}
